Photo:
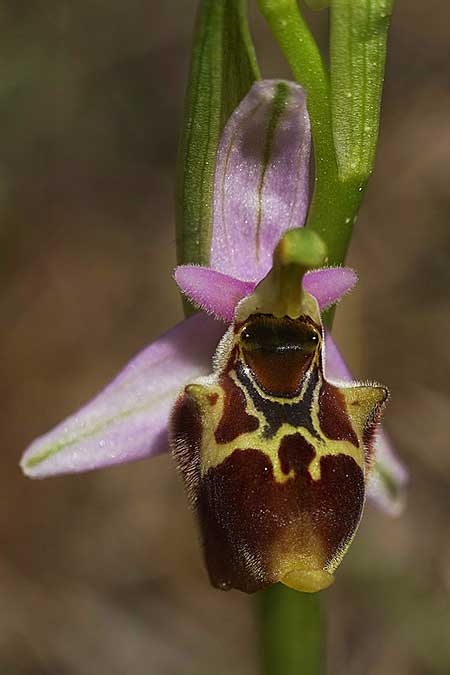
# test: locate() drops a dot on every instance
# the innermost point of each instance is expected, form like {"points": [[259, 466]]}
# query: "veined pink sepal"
{"points": [[128, 420], [261, 185]]}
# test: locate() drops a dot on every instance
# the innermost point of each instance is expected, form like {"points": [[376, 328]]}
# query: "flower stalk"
{"points": [[292, 627], [334, 203], [275, 444]]}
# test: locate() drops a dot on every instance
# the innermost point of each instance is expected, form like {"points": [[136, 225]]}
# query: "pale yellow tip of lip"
{"points": [[308, 581]]}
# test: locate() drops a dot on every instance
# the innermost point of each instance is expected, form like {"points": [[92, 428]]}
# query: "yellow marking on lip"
{"points": [[322, 445], [213, 453]]}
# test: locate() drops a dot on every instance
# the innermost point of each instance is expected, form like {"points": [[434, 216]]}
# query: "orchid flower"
{"points": [[261, 294]]}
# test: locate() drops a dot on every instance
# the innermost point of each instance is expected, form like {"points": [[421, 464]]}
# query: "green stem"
{"points": [[300, 49], [333, 213], [335, 201], [291, 632], [291, 622]]}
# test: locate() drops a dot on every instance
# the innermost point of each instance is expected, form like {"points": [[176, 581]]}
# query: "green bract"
{"points": [[223, 68], [343, 103], [357, 53]]}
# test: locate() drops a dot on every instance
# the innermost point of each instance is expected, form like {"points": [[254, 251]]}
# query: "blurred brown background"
{"points": [[101, 573]]}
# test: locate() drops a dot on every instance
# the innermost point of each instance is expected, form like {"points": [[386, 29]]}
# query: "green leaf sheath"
{"points": [[333, 206], [302, 54], [358, 30], [358, 36], [222, 70], [317, 4], [291, 626]]}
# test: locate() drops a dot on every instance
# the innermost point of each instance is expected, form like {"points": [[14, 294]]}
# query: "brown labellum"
{"points": [[274, 457]]}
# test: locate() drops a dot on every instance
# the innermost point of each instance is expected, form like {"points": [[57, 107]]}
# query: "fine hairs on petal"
{"points": [[212, 291], [219, 294], [330, 284]]}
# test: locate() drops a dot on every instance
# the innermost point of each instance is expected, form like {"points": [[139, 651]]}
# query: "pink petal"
{"points": [[261, 186], [218, 293], [329, 284], [212, 291], [128, 419], [387, 482], [335, 366], [389, 476]]}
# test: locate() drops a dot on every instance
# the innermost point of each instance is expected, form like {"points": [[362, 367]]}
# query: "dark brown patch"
{"points": [[213, 398], [335, 501], [277, 412], [333, 418], [235, 420], [250, 523], [186, 436]]}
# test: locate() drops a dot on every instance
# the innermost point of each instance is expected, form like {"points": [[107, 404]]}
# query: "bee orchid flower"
{"points": [[276, 444]]}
